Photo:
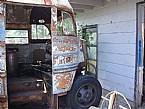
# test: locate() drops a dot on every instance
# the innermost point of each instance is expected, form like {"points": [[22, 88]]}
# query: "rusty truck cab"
{"points": [[39, 57]]}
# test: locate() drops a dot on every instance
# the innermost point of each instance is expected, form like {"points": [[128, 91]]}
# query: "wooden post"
{"points": [[111, 101], [54, 102]]}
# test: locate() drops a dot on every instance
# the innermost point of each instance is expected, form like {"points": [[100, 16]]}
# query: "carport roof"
{"points": [[60, 3], [81, 5]]}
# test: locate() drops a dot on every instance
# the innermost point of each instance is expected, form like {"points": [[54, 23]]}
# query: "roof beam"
{"points": [[79, 10], [79, 6], [86, 2]]}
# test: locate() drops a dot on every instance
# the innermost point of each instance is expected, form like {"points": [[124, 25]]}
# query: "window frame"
{"points": [[73, 21], [38, 40], [84, 31], [18, 37]]}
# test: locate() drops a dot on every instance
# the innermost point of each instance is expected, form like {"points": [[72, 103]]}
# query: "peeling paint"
{"points": [[62, 82], [3, 80], [1, 87], [60, 3], [65, 61], [54, 21], [2, 46]]}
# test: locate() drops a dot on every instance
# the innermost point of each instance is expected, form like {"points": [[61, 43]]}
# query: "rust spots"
{"points": [[48, 2], [1, 10], [2, 58], [3, 100], [4, 104], [64, 80], [2, 0], [53, 21], [2, 44], [3, 95]]}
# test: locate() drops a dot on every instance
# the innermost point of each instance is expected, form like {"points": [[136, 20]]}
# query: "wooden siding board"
{"points": [[116, 44], [125, 85], [129, 49], [127, 38], [117, 69], [119, 27], [117, 59]]}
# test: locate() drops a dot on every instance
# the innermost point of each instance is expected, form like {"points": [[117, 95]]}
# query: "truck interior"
{"points": [[28, 49]]}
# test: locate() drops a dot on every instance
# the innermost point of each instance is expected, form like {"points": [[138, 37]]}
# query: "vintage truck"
{"points": [[40, 62]]}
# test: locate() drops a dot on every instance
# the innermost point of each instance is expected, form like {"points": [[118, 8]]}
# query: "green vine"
{"points": [[87, 35]]}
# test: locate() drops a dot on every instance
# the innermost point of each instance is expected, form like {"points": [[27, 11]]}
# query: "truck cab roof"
{"points": [[64, 4]]}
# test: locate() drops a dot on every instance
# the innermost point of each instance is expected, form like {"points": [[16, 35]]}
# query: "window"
{"points": [[16, 37], [91, 36], [68, 26], [40, 32], [65, 24]]}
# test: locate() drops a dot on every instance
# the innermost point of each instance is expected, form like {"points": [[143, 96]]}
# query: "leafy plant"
{"points": [[85, 34]]}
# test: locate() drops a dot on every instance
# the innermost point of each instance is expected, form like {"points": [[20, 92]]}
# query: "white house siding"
{"points": [[116, 44]]}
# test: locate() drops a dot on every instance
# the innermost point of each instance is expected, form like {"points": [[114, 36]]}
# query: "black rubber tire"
{"points": [[85, 92]]}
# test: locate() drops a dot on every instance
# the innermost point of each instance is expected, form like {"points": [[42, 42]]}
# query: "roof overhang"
{"points": [[82, 5]]}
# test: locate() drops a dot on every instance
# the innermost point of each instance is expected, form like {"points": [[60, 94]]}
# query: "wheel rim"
{"points": [[86, 95]]}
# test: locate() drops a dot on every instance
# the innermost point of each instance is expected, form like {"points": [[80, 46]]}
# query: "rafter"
{"points": [[86, 2], [82, 5], [79, 10], [79, 6]]}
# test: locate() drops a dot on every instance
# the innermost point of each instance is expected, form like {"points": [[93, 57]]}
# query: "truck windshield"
{"points": [[65, 24]]}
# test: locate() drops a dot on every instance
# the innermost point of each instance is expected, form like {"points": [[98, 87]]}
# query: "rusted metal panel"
{"points": [[17, 14], [62, 81], [54, 21], [18, 26], [2, 43], [65, 51], [59, 3], [29, 1], [3, 78], [1, 87], [65, 61], [48, 1], [2, 40]]}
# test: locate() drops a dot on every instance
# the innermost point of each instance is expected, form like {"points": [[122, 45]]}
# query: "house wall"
{"points": [[116, 44]]}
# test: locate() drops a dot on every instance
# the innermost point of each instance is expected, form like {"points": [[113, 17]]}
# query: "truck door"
{"points": [[65, 51]]}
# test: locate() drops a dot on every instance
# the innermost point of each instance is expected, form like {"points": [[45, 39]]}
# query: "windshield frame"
{"points": [[72, 15], [62, 8]]}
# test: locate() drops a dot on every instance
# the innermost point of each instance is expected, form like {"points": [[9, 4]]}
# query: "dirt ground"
{"points": [[143, 106], [29, 106]]}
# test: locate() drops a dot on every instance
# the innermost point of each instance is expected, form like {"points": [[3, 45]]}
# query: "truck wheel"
{"points": [[86, 91]]}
